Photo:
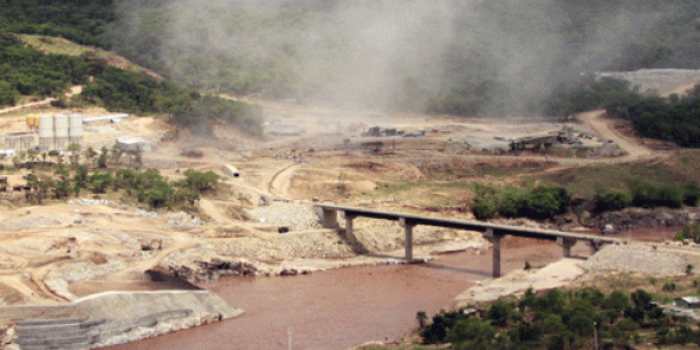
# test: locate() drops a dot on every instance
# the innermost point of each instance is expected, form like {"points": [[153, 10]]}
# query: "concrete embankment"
{"points": [[113, 318]]}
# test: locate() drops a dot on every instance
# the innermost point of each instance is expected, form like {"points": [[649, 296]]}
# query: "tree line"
{"points": [[559, 319], [60, 180], [543, 202]]}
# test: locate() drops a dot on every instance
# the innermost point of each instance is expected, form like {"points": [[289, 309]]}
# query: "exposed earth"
{"points": [[264, 223]]}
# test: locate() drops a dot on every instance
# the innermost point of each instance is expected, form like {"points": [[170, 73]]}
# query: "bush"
{"points": [[8, 95], [673, 119], [200, 181], [485, 203], [539, 203], [611, 201], [100, 182], [559, 320], [691, 195], [546, 202], [651, 196], [691, 232]]}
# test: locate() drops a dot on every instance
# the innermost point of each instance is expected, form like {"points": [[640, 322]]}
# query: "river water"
{"points": [[341, 308]]}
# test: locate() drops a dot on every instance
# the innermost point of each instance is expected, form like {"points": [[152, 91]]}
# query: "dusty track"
{"points": [[281, 181], [597, 122], [75, 90]]}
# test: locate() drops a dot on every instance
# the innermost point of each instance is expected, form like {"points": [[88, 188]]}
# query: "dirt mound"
{"points": [[637, 258], [295, 216], [203, 270]]}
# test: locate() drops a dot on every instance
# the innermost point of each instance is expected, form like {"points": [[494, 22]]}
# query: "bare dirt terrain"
{"points": [[55, 252], [264, 224]]}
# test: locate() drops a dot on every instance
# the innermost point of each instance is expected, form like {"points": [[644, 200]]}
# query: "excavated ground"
{"points": [[264, 222]]}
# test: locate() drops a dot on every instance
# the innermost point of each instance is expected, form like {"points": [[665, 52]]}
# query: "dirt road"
{"points": [[75, 90], [282, 180], [597, 122]]}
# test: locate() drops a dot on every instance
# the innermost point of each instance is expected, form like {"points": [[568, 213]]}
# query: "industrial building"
{"points": [[47, 132], [18, 141]]}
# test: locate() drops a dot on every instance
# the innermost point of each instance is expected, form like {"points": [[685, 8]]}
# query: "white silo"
{"points": [[61, 127], [75, 132], [46, 132]]}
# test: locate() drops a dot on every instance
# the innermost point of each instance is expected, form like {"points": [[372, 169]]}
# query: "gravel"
{"points": [[638, 259], [183, 220], [296, 216], [89, 202], [30, 222]]}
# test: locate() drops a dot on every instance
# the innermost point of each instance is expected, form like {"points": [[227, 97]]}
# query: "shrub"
{"points": [[485, 203], [691, 231], [546, 202], [611, 201], [200, 181], [8, 95], [691, 195], [650, 196], [541, 202], [100, 182]]}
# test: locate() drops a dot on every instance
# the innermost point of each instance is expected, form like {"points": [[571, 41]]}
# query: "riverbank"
{"points": [[113, 318], [342, 308]]}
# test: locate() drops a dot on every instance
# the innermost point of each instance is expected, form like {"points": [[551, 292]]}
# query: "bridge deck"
{"points": [[505, 230]]}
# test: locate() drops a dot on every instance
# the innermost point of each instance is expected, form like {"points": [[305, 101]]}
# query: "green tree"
{"points": [[99, 182], [472, 333], [200, 181], [8, 95]]}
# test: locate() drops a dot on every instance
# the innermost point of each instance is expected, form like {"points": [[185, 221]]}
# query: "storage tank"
{"points": [[61, 128], [46, 132], [32, 122], [75, 131]]}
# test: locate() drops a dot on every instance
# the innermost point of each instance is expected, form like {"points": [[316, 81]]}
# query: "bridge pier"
{"points": [[408, 239], [595, 246], [566, 244], [350, 237], [329, 218], [495, 239]]}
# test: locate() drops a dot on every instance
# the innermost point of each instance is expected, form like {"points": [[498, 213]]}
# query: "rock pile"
{"points": [[89, 202], [637, 258], [183, 220], [296, 216], [634, 218], [201, 271]]}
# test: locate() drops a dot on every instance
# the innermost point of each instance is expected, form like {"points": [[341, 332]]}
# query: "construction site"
{"points": [[264, 220]]}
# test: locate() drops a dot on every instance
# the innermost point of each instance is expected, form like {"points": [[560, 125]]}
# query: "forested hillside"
{"points": [[82, 21]]}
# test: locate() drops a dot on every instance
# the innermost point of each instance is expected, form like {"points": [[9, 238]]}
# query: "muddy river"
{"points": [[342, 308]]}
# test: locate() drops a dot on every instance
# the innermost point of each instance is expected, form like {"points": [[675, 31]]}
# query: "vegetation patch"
{"points": [[562, 320], [539, 202]]}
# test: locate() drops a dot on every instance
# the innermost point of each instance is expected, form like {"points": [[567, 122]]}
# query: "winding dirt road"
{"points": [[281, 181], [75, 90], [597, 121]]}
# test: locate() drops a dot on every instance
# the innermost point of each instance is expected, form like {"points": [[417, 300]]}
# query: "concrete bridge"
{"points": [[492, 232]]}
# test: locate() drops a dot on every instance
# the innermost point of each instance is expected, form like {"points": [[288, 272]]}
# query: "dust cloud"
{"points": [[506, 55]]}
